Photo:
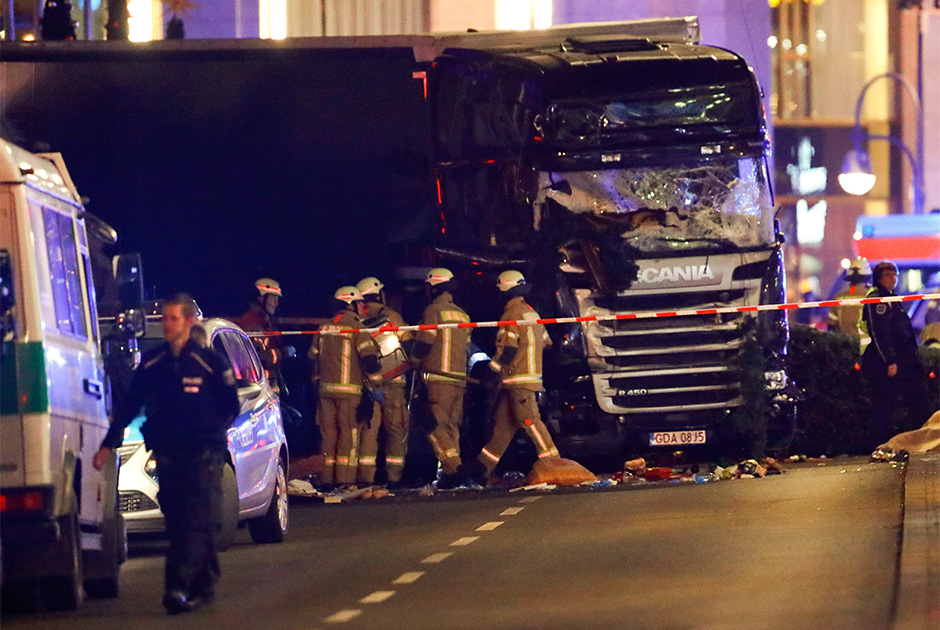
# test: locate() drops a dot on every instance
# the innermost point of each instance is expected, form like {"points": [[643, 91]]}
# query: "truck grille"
{"points": [[671, 370], [136, 501]]}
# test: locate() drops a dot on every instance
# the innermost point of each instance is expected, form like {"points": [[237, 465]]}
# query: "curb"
{"points": [[918, 594]]}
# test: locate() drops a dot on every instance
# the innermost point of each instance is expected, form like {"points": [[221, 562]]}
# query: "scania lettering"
{"points": [[674, 274], [62, 533]]}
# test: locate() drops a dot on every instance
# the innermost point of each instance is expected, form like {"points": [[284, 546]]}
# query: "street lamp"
{"points": [[857, 177]]}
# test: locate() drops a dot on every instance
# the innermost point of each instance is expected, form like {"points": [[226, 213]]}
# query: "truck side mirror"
{"points": [[128, 273]]}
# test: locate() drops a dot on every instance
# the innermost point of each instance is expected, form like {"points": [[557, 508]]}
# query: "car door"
{"points": [[269, 432], [246, 438]]}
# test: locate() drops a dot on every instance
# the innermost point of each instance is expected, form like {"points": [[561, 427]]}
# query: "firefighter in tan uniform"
{"points": [[342, 359], [388, 386], [517, 367], [846, 318], [443, 357]]}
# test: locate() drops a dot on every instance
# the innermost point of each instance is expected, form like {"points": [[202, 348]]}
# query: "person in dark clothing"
{"points": [[890, 362], [189, 397]]}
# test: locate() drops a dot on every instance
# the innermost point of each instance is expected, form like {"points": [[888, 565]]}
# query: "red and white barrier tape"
{"points": [[611, 317]]}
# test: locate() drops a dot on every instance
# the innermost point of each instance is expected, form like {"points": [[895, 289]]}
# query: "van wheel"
{"points": [[103, 567], [272, 527], [19, 596], [64, 592], [229, 509]]}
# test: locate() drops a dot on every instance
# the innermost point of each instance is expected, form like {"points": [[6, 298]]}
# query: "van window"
{"points": [[64, 273], [92, 302]]}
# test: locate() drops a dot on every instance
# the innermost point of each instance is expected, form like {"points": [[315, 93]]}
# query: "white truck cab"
{"points": [[61, 531]]}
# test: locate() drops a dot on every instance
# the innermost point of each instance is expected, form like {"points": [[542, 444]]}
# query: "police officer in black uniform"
{"points": [[189, 396], [890, 362]]}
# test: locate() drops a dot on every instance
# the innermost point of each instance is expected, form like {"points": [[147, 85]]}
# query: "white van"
{"points": [[60, 527]]}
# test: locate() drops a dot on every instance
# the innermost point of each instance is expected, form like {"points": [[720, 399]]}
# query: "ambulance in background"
{"points": [[912, 242], [62, 534]]}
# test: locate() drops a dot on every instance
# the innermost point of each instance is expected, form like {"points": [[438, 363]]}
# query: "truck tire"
{"points": [[64, 591], [229, 515], [272, 527]]}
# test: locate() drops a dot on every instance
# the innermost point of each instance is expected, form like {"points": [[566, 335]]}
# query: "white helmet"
{"points": [[860, 266], [439, 275], [509, 279], [268, 286], [348, 294], [369, 286]]}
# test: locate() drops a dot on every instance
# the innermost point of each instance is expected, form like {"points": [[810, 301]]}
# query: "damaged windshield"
{"points": [[713, 204]]}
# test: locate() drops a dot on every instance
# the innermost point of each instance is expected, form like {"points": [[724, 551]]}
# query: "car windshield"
{"points": [[715, 204]]}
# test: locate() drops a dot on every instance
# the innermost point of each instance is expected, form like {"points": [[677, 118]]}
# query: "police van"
{"points": [[61, 531]]}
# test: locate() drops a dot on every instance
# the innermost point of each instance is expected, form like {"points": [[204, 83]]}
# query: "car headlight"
{"points": [[151, 468], [776, 380]]}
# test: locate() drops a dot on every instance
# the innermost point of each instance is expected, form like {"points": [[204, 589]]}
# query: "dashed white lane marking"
{"points": [[411, 576], [343, 616], [377, 597]]}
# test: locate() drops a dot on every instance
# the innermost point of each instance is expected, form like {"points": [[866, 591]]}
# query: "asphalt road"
{"points": [[816, 547]]}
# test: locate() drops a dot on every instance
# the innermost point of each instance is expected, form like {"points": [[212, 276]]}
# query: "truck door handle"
{"points": [[94, 388]]}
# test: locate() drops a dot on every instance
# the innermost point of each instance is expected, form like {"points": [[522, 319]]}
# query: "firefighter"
{"points": [[260, 317], [388, 389], [342, 359], [890, 362], [847, 318], [189, 397], [442, 355], [516, 368]]}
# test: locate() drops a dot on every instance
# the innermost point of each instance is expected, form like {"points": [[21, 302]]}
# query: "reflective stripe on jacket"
{"points": [[449, 346], [339, 355], [525, 370]]}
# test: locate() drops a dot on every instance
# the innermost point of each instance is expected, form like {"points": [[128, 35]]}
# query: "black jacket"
{"points": [[892, 336], [189, 400]]}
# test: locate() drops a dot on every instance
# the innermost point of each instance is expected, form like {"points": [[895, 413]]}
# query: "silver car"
{"points": [[255, 479]]}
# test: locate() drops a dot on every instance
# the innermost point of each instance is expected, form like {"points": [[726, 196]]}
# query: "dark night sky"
{"points": [[221, 167]]}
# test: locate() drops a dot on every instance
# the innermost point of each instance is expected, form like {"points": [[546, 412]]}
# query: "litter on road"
{"points": [[551, 473]]}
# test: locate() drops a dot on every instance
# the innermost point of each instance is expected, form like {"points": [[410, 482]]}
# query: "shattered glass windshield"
{"points": [[714, 204]]}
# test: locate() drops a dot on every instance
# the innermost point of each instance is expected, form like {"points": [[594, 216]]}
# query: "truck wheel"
{"points": [[272, 527], [229, 516], [64, 592]]}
